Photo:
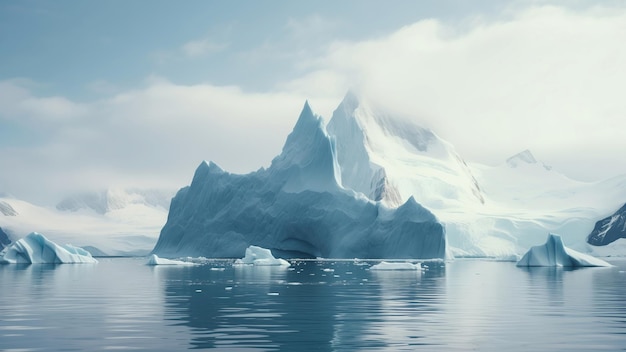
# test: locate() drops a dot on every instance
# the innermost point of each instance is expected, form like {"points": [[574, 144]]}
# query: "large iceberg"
{"points": [[554, 254], [37, 249], [297, 207]]}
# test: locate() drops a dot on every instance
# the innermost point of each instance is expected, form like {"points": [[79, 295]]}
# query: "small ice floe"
{"points": [[259, 256], [155, 260], [396, 266]]}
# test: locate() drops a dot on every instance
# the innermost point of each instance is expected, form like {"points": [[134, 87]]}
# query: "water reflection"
{"points": [[310, 306], [326, 306], [609, 288]]}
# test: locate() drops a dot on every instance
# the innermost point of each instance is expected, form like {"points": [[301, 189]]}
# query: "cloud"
{"points": [[16, 101], [545, 78], [149, 137]]}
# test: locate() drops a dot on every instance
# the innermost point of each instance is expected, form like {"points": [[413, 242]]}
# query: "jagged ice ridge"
{"points": [[297, 207]]}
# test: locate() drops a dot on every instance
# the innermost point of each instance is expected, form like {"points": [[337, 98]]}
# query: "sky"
{"points": [[138, 93]]}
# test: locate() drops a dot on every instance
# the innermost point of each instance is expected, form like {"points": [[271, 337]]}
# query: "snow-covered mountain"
{"points": [[118, 222], [487, 210], [525, 199], [609, 229], [391, 159], [296, 207]]}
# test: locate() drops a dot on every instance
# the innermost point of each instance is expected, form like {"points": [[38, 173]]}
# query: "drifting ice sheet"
{"points": [[396, 266], [261, 257], [155, 260], [37, 249], [553, 253]]}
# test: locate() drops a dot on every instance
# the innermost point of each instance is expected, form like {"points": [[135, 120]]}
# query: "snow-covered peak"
{"points": [[308, 160], [525, 158], [6, 209], [390, 158]]}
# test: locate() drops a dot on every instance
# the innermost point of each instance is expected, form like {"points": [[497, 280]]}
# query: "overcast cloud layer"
{"points": [[545, 78]]}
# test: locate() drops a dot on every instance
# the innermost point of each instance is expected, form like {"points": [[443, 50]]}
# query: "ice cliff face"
{"points": [[296, 207], [4, 239], [610, 229]]}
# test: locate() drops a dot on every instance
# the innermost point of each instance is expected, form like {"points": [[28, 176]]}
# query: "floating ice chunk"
{"points": [[553, 253], [35, 248], [261, 257], [155, 260], [396, 266]]}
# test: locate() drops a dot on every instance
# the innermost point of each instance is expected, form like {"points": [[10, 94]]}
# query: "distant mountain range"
{"points": [[111, 222]]}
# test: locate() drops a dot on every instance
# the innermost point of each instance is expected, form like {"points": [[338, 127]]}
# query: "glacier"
{"points": [[554, 254], [297, 207], [35, 248]]}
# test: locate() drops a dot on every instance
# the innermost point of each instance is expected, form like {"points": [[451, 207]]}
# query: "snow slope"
{"points": [[391, 159], [526, 199], [296, 207], [487, 211], [130, 228]]}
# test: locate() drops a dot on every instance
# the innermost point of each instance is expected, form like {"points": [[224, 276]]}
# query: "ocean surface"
{"points": [[477, 305]]}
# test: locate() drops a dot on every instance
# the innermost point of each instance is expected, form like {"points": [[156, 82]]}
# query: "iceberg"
{"points": [[396, 266], [261, 257], [296, 207], [4, 239], [155, 260], [35, 248], [554, 254]]}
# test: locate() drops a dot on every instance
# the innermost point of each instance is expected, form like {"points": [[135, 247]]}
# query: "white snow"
{"points": [[155, 260], [128, 227], [495, 211], [554, 254], [261, 257], [296, 206], [396, 266], [35, 248]]}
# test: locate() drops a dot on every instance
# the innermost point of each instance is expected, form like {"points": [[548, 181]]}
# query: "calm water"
{"points": [[122, 304]]}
